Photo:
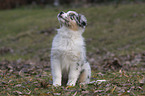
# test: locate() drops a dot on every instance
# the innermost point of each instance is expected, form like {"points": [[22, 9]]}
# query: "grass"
{"points": [[28, 33], [119, 30], [118, 83]]}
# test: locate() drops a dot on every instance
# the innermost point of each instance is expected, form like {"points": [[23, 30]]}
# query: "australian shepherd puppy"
{"points": [[68, 54]]}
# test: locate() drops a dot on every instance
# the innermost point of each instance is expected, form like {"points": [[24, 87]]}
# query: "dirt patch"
{"points": [[47, 31], [4, 50], [110, 62], [19, 67]]}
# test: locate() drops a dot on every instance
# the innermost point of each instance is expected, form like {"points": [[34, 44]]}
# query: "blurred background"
{"points": [[114, 36], [115, 31], [9, 4]]}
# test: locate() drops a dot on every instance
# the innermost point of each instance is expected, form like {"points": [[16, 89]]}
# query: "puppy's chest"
{"points": [[66, 44]]}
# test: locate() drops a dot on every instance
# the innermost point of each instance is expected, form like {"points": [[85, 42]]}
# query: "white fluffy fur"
{"points": [[68, 58]]}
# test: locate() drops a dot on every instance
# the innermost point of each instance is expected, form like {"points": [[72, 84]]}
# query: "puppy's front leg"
{"points": [[56, 72], [73, 75]]}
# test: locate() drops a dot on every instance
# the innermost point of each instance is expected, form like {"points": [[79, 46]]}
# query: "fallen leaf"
{"points": [[113, 89], [57, 93], [19, 85], [28, 92], [75, 93], [98, 91], [84, 92], [97, 82], [17, 92]]}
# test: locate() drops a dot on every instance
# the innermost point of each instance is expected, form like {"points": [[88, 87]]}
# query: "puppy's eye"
{"points": [[84, 23]]}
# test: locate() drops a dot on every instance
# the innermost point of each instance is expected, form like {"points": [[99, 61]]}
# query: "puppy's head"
{"points": [[72, 20]]}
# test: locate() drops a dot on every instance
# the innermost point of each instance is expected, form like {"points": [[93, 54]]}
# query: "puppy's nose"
{"points": [[61, 13]]}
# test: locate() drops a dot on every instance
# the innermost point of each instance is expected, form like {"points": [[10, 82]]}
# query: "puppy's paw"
{"points": [[70, 84], [56, 84]]}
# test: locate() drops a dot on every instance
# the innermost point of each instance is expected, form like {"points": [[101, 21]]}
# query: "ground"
{"points": [[115, 49]]}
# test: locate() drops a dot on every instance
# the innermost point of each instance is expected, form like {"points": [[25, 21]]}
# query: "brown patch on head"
{"points": [[72, 20], [73, 25]]}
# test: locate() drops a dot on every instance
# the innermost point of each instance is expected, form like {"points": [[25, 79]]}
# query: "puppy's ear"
{"points": [[82, 21]]}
